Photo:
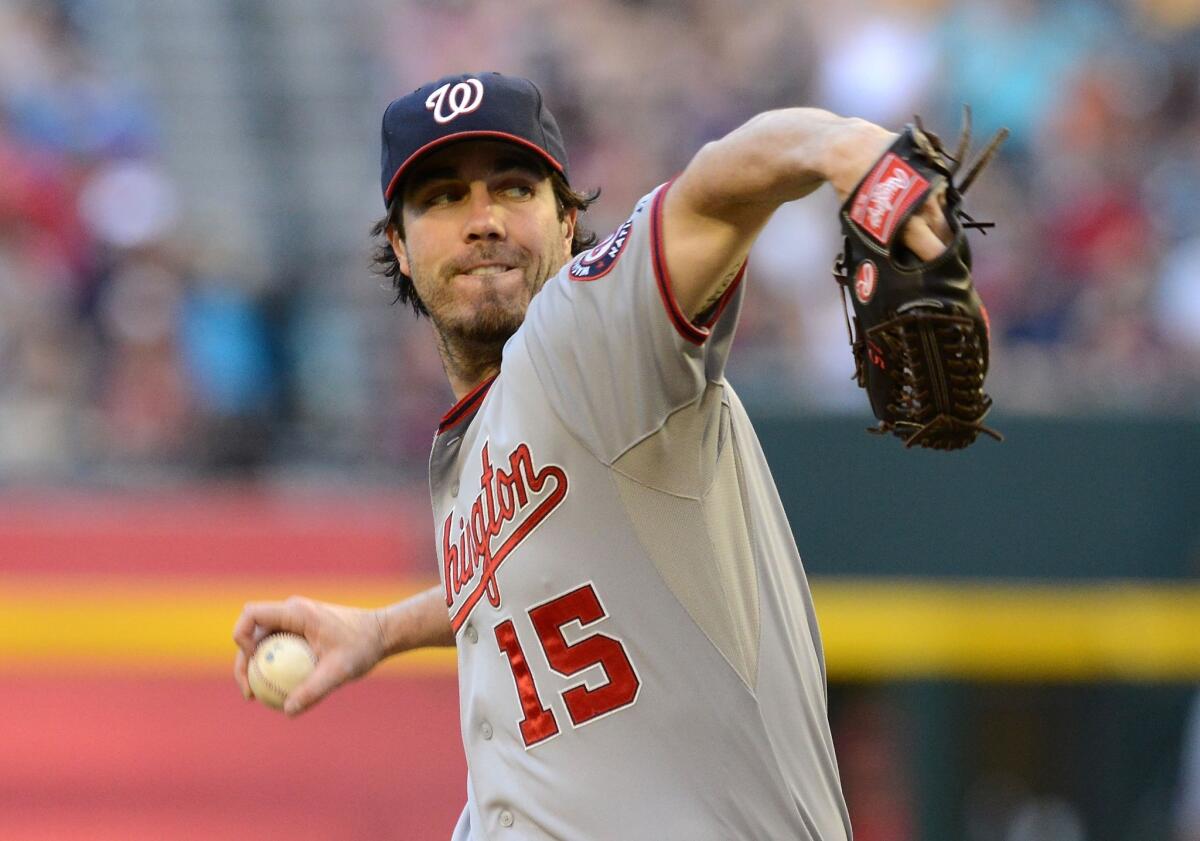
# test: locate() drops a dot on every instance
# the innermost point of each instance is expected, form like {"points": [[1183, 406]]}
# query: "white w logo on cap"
{"points": [[461, 97]]}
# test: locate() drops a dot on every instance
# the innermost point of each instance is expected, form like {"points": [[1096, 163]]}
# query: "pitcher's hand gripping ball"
{"points": [[920, 335], [280, 663]]}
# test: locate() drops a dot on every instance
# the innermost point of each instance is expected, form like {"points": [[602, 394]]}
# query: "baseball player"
{"points": [[638, 655]]}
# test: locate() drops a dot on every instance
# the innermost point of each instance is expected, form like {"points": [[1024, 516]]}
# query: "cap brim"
{"points": [[468, 135]]}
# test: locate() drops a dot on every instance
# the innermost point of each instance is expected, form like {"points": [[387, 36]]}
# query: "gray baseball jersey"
{"points": [[638, 656]]}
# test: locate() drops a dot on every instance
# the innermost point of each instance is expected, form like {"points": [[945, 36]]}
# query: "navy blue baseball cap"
{"points": [[462, 107]]}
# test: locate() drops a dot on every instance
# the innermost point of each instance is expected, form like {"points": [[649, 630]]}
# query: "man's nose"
{"points": [[484, 220]]}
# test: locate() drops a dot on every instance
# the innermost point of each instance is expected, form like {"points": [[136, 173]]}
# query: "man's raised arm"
{"points": [[721, 201]]}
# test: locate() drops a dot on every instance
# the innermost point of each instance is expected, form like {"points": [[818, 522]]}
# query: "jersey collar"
{"points": [[465, 407]]}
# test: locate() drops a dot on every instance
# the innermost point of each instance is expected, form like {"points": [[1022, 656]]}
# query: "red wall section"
{"points": [[106, 753], [221, 532], [123, 760]]}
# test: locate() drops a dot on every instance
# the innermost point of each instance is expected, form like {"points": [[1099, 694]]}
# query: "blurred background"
{"points": [[206, 397]]}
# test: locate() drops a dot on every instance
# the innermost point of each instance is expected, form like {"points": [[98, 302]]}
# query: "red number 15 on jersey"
{"points": [[581, 605]]}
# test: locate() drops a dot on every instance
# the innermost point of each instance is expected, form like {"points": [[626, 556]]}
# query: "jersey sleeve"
{"points": [[610, 346]]}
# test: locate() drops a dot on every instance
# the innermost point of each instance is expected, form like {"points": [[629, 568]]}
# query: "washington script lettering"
{"points": [[469, 560]]}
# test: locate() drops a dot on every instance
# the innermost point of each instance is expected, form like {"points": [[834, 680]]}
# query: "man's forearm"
{"points": [[415, 622], [779, 156], [725, 196]]}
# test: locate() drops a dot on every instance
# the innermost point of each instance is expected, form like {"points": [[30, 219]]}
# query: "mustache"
{"points": [[489, 254]]}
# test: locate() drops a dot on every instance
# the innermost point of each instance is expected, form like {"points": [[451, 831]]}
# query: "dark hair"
{"points": [[385, 263]]}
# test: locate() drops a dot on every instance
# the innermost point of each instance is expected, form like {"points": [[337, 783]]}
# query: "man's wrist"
{"points": [[397, 627], [381, 625], [415, 622], [849, 148]]}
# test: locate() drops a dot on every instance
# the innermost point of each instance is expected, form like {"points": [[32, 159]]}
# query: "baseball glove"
{"points": [[920, 334]]}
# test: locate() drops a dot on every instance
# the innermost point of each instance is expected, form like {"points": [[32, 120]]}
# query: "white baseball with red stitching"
{"points": [[280, 663]]}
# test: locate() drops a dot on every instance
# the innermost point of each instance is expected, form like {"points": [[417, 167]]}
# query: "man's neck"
{"points": [[467, 363]]}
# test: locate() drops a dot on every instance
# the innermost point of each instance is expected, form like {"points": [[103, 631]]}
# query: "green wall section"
{"points": [[1061, 498]]}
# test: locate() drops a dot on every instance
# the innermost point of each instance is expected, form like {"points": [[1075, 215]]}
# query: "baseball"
{"points": [[280, 663]]}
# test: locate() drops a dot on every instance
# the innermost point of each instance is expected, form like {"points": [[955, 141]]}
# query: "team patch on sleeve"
{"points": [[599, 261]]}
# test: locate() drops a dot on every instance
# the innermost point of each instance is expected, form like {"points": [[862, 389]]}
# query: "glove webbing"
{"points": [[940, 380]]}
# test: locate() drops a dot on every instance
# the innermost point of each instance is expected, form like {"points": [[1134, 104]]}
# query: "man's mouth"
{"points": [[485, 271]]}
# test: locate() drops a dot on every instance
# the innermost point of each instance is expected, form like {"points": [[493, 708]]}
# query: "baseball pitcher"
{"points": [[638, 655]]}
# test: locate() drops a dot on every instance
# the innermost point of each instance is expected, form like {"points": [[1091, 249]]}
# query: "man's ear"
{"points": [[399, 249], [569, 220]]}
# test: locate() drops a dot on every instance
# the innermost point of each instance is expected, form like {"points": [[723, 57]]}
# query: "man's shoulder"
{"points": [[605, 256]]}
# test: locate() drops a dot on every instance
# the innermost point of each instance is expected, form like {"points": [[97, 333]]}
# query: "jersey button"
{"points": [[471, 634], [485, 730], [454, 488], [506, 819]]}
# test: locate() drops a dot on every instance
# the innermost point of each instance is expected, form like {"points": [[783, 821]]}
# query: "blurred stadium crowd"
{"points": [[136, 343]]}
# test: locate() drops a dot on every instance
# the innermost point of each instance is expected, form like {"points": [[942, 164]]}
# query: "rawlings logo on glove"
{"points": [[885, 196]]}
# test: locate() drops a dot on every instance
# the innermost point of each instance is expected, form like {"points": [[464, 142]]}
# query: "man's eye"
{"points": [[518, 191], [439, 198]]}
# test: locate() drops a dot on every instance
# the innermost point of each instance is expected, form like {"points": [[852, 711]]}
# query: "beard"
{"points": [[473, 322], [492, 321]]}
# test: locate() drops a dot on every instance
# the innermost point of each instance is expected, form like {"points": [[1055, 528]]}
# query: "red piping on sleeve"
{"points": [[696, 333], [726, 297]]}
